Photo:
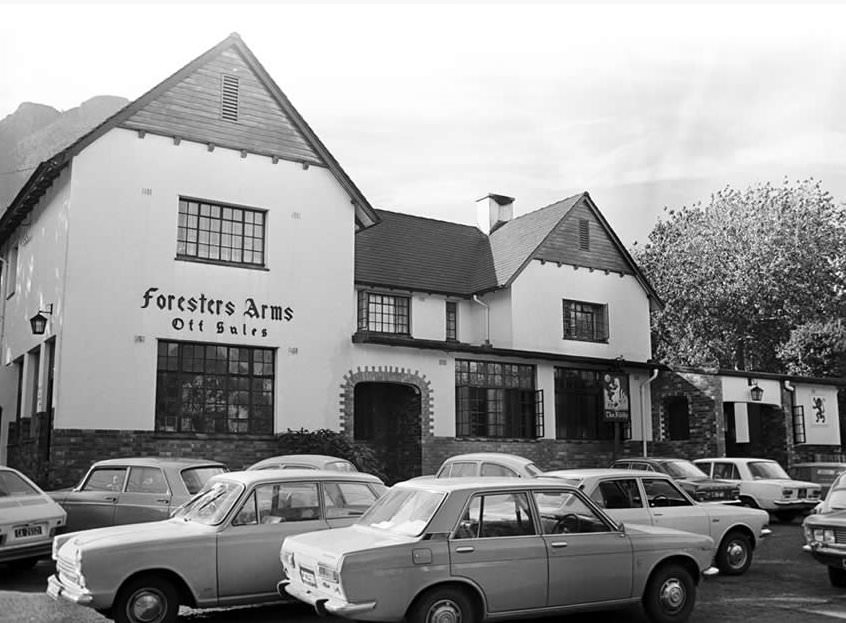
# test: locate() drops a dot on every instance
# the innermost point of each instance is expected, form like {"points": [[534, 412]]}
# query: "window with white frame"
{"points": [[220, 233]]}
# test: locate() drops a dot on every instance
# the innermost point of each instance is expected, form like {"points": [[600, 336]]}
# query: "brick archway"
{"points": [[397, 405]]}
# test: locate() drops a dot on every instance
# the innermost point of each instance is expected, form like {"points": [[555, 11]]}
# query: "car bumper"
{"points": [[324, 605], [786, 505], [36, 550], [77, 595]]}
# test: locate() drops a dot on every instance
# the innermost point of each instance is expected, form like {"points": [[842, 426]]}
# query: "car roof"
{"points": [[820, 464], [481, 484], [591, 472], [250, 477], [651, 459], [304, 458], [159, 460], [490, 456], [736, 459]]}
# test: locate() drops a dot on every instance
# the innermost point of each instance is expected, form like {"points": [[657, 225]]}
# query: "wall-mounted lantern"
{"points": [[38, 322], [756, 392]]}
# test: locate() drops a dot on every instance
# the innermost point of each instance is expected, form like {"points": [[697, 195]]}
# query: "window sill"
{"points": [[199, 260], [214, 436], [502, 439], [585, 339]]}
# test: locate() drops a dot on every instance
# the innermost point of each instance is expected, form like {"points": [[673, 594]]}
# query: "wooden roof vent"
{"points": [[229, 97]]}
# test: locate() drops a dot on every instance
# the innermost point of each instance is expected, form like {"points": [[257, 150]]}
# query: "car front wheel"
{"points": [[443, 605], [670, 595], [734, 554], [148, 599], [837, 577]]}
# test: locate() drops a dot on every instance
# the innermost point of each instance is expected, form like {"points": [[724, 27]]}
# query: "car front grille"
{"points": [[67, 572]]}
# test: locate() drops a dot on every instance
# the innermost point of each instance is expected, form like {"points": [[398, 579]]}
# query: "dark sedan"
{"points": [[693, 480], [132, 490]]}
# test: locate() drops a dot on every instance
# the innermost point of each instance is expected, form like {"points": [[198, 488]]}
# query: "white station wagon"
{"points": [[460, 550], [647, 497]]}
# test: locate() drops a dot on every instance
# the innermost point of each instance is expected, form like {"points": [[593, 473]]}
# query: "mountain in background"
{"points": [[35, 132]]}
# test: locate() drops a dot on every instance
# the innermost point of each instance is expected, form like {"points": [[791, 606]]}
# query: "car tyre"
{"points": [[837, 577], [670, 594], [734, 554], [447, 604], [147, 599]]}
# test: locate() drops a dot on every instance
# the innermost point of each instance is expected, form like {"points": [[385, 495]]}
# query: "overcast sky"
{"points": [[429, 107]]}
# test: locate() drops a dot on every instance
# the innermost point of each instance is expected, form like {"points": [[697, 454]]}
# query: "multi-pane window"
{"points": [[208, 388], [798, 424], [12, 271], [677, 418], [495, 399], [580, 405], [383, 313], [585, 321], [219, 233], [451, 320]]}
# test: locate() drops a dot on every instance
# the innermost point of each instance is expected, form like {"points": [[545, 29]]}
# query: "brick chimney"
{"points": [[492, 211]]}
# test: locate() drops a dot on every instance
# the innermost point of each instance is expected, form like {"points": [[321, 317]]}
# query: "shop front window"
{"points": [[580, 405], [209, 388]]}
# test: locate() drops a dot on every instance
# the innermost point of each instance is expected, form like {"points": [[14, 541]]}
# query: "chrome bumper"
{"points": [[57, 590], [324, 605]]}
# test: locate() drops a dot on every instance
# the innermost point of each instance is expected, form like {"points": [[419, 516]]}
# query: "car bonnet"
{"points": [[16, 509], [126, 535]]}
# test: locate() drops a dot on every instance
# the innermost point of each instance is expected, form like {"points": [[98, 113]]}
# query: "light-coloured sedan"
{"points": [[461, 550], [221, 548], [29, 519], [305, 461], [488, 464], [646, 497], [132, 490]]}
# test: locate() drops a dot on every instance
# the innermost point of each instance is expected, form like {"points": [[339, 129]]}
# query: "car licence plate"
{"points": [[24, 531], [308, 577]]}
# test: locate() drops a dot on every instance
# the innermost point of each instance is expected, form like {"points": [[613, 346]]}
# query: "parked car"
{"points": [[764, 484], [305, 461], [465, 550], [823, 474], [825, 540], [132, 490], [496, 464], [29, 519], [835, 498], [219, 549], [652, 498], [692, 479]]}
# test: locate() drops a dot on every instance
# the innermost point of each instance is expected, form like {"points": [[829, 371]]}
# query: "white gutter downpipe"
{"points": [[487, 318], [643, 408]]}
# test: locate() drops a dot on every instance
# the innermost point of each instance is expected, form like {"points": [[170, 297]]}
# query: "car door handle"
{"points": [[465, 549], [163, 500], [558, 544], [658, 514], [110, 498]]}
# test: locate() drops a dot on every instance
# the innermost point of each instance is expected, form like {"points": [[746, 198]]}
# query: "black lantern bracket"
{"points": [[755, 392], [38, 323]]}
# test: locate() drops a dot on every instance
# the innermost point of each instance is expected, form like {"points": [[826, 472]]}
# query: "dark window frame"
{"points": [[798, 414], [451, 320], [221, 233], [678, 427], [201, 391], [383, 312], [580, 406], [584, 321]]}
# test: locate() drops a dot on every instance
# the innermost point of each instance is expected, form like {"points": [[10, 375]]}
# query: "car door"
{"points": [[497, 547], [248, 547], [92, 504], [589, 558], [146, 496], [671, 508], [622, 498]]}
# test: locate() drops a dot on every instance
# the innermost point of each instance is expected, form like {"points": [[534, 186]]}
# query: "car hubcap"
{"points": [[147, 607], [444, 611], [672, 595], [736, 555]]}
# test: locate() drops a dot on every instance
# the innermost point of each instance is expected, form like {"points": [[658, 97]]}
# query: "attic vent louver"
{"points": [[584, 234], [229, 98]]}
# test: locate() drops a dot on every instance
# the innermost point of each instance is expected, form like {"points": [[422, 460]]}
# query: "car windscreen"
{"points": [[403, 511], [195, 477], [12, 484], [683, 469], [836, 499], [767, 469], [211, 505]]}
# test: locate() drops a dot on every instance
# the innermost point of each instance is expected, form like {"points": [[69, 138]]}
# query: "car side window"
{"points": [[496, 515], [661, 493], [146, 480], [616, 494], [347, 499], [460, 470], [564, 512], [105, 479], [494, 470], [247, 516], [728, 471]]}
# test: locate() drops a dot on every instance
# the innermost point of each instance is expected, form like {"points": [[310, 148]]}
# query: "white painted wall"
{"points": [[822, 419], [537, 316], [107, 377], [737, 389]]}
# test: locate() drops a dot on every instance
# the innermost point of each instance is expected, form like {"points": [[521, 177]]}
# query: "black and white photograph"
{"points": [[433, 312]]}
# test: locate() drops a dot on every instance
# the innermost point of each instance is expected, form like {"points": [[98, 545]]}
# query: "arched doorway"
{"points": [[387, 417]]}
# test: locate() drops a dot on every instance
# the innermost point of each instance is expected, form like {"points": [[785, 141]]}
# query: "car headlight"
{"points": [[287, 559], [823, 535], [786, 493]]}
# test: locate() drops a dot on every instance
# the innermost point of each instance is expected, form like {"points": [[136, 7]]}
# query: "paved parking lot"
{"points": [[784, 585]]}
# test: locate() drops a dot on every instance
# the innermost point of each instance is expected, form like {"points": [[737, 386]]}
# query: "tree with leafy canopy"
{"points": [[742, 273]]}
